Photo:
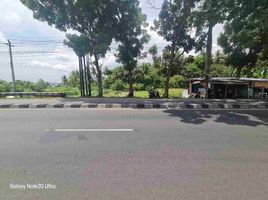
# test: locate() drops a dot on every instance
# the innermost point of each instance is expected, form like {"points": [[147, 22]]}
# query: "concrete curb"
{"points": [[177, 106]]}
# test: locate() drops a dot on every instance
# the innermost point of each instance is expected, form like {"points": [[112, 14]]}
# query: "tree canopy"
{"points": [[245, 36], [132, 35], [174, 26]]}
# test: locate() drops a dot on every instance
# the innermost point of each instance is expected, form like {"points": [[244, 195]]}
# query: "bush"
{"points": [[177, 81], [193, 71], [5, 86], [70, 91], [25, 86], [41, 85], [106, 83], [118, 85], [139, 87]]}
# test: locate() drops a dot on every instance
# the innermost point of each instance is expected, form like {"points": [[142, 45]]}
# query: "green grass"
{"points": [[173, 93], [75, 93]]}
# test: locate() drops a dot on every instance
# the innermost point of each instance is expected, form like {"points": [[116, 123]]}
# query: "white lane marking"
{"points": [[93, 130]]}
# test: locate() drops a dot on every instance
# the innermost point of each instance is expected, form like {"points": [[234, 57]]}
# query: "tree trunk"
{"points": [[100, 91], [170, 67], [208, 57], [166, 92], [99, 77], [85, 76], [80, 76], [88, 77], [130, 79]]}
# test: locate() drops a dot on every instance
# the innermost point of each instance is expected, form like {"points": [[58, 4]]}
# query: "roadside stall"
{"points": [[229, 88]]}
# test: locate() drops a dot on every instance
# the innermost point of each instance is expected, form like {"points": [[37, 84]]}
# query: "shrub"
{"points": [[177, 81], [106, 83], [138, 87], [70, 91], [5, 86], [41, 85], [118, 85], [25, 86]]}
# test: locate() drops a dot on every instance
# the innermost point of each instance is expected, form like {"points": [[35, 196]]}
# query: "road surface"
{"points": [[133, 154]]}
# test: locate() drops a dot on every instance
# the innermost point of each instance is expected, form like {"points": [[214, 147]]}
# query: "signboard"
{"points": [[261, 84]]}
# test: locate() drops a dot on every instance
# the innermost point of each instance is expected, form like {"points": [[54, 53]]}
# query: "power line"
{"points": [[39, 44], [34, 52], [38, 37], [32, 39]]}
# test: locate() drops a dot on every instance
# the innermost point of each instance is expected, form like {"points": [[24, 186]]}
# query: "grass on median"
{"points": [[173, 93], [75, 93]]}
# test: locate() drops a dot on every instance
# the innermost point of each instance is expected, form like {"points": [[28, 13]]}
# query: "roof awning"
{"points": [[230, 82]]}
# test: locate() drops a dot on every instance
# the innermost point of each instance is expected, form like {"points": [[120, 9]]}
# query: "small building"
{"points": [[229, 88]]}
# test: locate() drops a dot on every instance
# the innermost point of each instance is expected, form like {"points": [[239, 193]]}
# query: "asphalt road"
{"points": [[153, 154]]}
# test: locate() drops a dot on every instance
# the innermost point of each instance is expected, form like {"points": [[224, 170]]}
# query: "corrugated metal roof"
{"points": [[255, 79], [230, 79]]}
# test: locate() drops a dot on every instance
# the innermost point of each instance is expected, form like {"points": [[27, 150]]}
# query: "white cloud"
{"points": [[63, 58], [2, 37], [12, 18], [109, 60], [38, 63], [155, 40], [58, 66], [61, 67]]}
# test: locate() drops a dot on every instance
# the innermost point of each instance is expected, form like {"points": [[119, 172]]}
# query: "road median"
{"points": [[140, 105]]}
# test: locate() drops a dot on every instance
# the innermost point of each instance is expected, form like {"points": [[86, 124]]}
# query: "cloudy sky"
{"points": [[38, 49]]}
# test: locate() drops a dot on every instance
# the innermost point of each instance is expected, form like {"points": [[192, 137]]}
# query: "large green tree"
{"points": [[132, 36], [92, 19], [245, 36], [81, 46], [174, 26], [208, 14]]}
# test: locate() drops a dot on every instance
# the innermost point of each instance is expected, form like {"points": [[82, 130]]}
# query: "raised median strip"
{"points": [[20, 106], [176, 106], [56, 105], [39, 105], [5, 105]]}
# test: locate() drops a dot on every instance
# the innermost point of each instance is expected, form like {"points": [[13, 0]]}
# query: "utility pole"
{"points": [[11, 65]]}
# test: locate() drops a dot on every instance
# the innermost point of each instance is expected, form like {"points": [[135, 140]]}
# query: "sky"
{"points": [[50, 59]]}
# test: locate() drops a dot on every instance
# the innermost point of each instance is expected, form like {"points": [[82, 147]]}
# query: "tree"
{"points": [[81, 46], [147, 76], [174, 26], [245, 35], [208, 14], [195, 68], [64, 80], [153, 50], [132, 37], [261, 70], [118, 73], [93, 19], [41, 85], [74, 79], [5, 86]]}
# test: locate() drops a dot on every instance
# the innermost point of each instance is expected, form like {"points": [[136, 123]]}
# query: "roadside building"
{"points": [[229, 87]]}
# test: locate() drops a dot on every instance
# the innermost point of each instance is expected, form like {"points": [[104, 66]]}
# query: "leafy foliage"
{"points": [[245, 34], [174, 26], [132, 36], [118, 85]]}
